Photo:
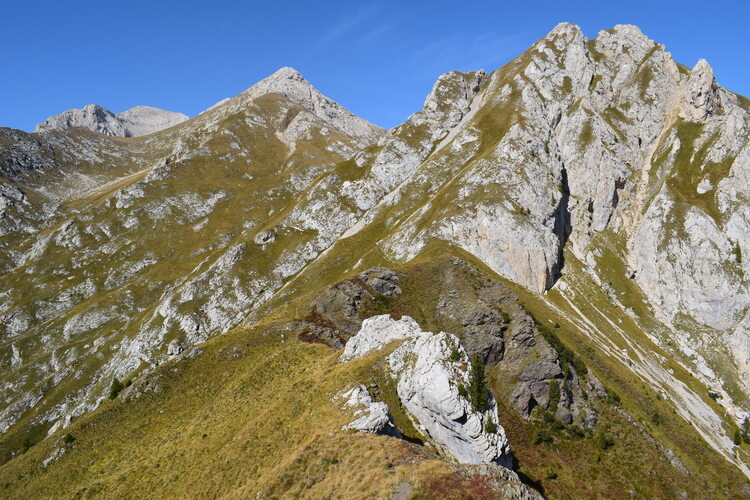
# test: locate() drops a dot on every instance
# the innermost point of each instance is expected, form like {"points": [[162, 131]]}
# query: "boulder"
{"points": [[373, 417], [428, 376]]}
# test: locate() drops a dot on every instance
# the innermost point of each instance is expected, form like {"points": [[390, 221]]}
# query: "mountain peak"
{"points": [[565, 31], [702, 66], [290, 84], [289, 73], [703, 96], [285, 81], [136, 121], [144, 120], [92, 116], [629, 29], [626, 36]]}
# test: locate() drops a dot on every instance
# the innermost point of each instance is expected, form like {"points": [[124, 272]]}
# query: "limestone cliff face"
{"points": [[599, 174]]}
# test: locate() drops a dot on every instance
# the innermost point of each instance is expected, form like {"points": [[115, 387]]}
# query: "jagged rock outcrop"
{"points": [[427, 382], [702, 94], [372, 417], [376, 333], [491, 323], [335, 312], [136, 121]]}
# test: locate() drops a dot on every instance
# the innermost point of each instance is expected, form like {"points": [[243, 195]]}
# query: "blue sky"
{"points": [[379, 59]]}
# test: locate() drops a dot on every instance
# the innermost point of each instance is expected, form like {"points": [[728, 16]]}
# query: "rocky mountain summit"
{"points": [[136, 121], [576, 219]]}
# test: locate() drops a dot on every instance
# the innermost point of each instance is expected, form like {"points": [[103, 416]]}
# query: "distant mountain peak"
{"points": [[290, 84], [136, 121]]}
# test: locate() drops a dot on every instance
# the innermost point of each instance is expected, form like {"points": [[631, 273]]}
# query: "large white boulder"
{"points": [[428, 375], [372, 417]]}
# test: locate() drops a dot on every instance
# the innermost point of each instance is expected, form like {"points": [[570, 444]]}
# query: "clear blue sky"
{"points": [[379, 59]]}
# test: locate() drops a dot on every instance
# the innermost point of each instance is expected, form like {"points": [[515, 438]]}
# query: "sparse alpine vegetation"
{"points": [[533, 286]]}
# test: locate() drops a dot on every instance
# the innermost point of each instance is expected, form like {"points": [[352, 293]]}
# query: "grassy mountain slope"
{"points": [[252, 413], [595, 182]]}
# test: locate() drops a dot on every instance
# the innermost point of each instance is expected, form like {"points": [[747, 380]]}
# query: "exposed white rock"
{"points": [[264, 237], [704, 186], [427, 383], [174, 348], [15, 356], [376, 333], [53, 457], [144, 120], [372, 417], [702, 96]]}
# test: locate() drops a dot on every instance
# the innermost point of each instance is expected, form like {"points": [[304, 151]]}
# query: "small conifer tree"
{"points": [[115, 388], [478, 385]]}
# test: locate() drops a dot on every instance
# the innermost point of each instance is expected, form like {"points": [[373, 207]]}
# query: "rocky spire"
{"points": [[702, 96]]}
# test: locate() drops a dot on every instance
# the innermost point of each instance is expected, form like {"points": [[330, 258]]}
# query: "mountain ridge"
{"points": [[133, 122], [599, 177]]}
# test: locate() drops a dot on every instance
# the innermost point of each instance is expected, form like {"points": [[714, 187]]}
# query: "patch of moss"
{"points": [[554, 396], [690, 168], [595, 79], [595, 54], [643, 80], [587, 135], [567, 85]]}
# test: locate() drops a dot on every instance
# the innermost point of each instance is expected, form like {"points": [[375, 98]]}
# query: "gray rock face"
{"points": [[144, 120], [136, 121], [334, 314], [496, 327], [427, 383]]}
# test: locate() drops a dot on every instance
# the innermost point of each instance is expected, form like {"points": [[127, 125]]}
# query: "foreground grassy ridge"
{"points": [[253, 415], [578, 464]]}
